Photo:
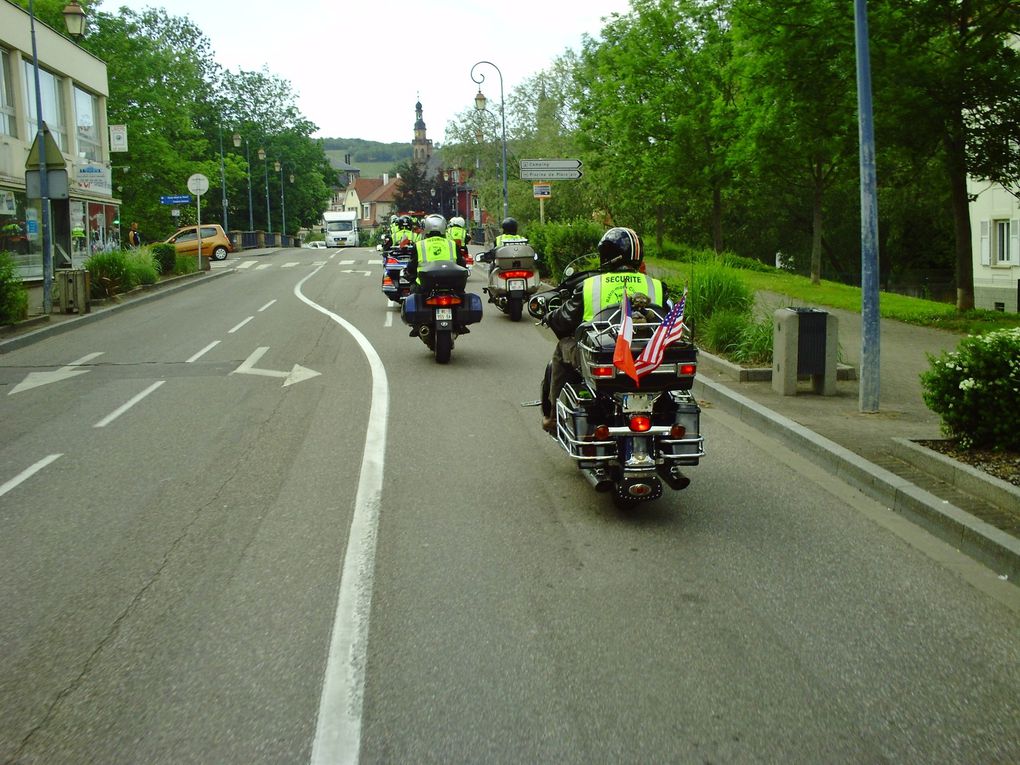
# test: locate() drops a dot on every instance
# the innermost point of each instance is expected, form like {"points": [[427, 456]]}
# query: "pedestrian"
{"points": [[134, 238]]}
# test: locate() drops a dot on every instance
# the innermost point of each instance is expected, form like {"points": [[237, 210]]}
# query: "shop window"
{"points": [[86, 117]]}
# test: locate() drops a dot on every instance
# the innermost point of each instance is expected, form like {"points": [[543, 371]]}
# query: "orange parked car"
{"points": [[215, 243]]}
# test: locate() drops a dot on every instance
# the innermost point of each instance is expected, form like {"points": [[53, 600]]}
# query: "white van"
{"points": [[340, 228]]}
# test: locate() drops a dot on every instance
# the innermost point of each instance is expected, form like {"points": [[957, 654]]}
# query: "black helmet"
{"points": [[405, 221], [620, 247], [509, 226]]}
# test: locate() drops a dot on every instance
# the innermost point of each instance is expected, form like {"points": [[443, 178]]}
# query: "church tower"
{"points": [[421, 147]]}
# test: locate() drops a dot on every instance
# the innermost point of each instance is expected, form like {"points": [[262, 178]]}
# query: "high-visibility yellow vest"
{"points": [[605, 290], [435, 248]]}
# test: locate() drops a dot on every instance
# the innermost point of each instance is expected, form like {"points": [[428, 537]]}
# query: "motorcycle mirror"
{"points": [[537, 306], [568, 271]]}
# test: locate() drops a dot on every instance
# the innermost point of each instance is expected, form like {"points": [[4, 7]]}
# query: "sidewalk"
{"points": [[872, 452]]}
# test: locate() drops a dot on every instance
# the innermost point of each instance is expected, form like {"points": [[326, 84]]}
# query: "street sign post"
{"points": [[176, 199], [198, 184], [542, 192], [550, 164]]}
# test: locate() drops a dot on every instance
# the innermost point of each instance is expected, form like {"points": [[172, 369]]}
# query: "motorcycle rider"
{"points": [[620, 265], [432, 247], [509, 236], [405, 230], [457, 231]]}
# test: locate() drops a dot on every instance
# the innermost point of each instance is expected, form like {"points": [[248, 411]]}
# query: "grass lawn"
{"points": [[800, 290]]}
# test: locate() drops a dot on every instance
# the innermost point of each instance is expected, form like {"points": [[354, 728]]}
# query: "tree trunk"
{"points": [[816, 226], [956, 166]]}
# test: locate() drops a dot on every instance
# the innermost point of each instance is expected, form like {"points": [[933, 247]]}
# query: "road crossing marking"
{"points": [[289, 265], [346, 263], [246, 264], [124, 407], [262, 266]]}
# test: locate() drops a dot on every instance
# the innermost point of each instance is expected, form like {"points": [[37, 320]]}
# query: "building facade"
{"points": [[74, 89]]}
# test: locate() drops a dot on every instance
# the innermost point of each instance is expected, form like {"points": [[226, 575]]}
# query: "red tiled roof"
{"points": [[383, 193]]}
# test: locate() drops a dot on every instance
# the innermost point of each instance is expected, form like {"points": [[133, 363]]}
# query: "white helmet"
{"points": [[458, 221], [434, 225]]}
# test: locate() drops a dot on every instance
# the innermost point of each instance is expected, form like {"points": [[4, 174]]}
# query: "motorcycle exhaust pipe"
{"points": [[673, 478], [424, 331], [598, 479]]}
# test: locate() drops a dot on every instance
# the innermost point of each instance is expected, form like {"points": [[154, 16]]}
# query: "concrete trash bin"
{"points": [[804, 344], [74, 285]]}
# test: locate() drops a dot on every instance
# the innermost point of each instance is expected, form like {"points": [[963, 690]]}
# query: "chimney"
{"points": [[385, 178]]}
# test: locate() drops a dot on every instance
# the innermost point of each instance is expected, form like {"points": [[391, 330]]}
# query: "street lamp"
{"points": [[269, 212], [278, 166], [480, 105], [223, 178], [74, 18], [247, 157]]}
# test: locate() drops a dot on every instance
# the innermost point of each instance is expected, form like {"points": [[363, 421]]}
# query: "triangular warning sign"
{"points": [[54, 158]]}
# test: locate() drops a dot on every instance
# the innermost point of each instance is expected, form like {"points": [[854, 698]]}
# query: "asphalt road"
{"points": [[390, 561]]}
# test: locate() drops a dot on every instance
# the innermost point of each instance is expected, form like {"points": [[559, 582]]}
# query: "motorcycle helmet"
{"points": [[620, 247], [434, 225], [393, 219], [509, 226], [405, 221], [457, 221]]}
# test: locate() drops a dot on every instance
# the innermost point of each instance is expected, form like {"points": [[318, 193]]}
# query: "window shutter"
{"points": [[1014, 241], [985, 244]]}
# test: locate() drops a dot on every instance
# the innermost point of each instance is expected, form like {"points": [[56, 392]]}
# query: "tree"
{"points": [[414, 192]]}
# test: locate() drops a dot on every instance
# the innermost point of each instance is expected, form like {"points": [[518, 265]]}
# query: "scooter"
{"points": [[441, 310], [513, 277], [625, 438]]}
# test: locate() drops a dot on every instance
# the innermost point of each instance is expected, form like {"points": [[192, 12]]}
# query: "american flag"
{"points": [[671, 330]]}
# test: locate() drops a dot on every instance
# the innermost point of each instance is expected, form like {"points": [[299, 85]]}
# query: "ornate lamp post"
{"points": [[223, 179], [247, 158], [480, 105], [269, 211], [74, 18]]}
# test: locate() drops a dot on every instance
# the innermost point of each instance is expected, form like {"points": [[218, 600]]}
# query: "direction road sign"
{"points": [[549, 175], [550, 164], [176, 199]]}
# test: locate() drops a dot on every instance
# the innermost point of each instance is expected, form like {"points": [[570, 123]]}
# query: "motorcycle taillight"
{"points": [[515, 274], [640, 423], [442, 300], [688, 370], [603, 371]]}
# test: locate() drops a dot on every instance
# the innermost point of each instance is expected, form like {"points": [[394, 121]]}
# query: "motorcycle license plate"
{"points": [[444, 314], [516, 284]]}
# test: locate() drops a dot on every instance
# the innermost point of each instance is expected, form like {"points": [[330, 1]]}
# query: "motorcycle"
{"points": [[441, 310], [624, 438], [513, 276], [395, 284]]}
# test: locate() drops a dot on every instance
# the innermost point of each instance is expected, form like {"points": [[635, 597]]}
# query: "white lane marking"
{"points": [[262, 266], [289, 265], [389, 319], [349, 271], [245, 264], [35, 379], [240, 325], [345, 263], [202, 352], [297, 374], [338, 724], [27, 473], [318, 262], [124, 407], [267, 305]]}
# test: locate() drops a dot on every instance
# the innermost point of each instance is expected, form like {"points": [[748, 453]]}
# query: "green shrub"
{"points": [[715, 287], [110, 273], [143, 266], [13, 295], [754, 348], [185, 264], [975, 390], [559, 243], [165, 255], [721, 332]]}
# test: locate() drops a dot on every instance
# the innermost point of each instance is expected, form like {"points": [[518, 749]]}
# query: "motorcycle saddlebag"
{"points": [[597, 350], [413, 311], [470, 311]]}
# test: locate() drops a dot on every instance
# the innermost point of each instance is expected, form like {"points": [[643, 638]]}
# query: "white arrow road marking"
{"points": [[124, 407], [35, 379], [295, 375], [27, 473], [349, 271]]}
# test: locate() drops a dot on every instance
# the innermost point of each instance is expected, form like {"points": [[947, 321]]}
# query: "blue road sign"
{"points": [[176, 199]]}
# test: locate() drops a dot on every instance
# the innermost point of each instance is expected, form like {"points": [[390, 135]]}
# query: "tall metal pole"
{"points": [[283, 204], [502, 115], [223, 181], [868, 392], [44, 185], [247, 158], [269, 212]]}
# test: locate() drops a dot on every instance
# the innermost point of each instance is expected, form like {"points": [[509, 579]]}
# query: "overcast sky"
{"points": [[358, 67]]}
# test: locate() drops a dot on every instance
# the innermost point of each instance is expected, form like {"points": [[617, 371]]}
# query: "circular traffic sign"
{"points": [[198, 184]]}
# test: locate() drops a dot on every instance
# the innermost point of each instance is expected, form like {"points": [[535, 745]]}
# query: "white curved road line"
{"points": [[338, 727]]}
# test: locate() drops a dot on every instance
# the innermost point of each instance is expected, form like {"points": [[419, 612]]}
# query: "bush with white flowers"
{"points": [[976, 390]]}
